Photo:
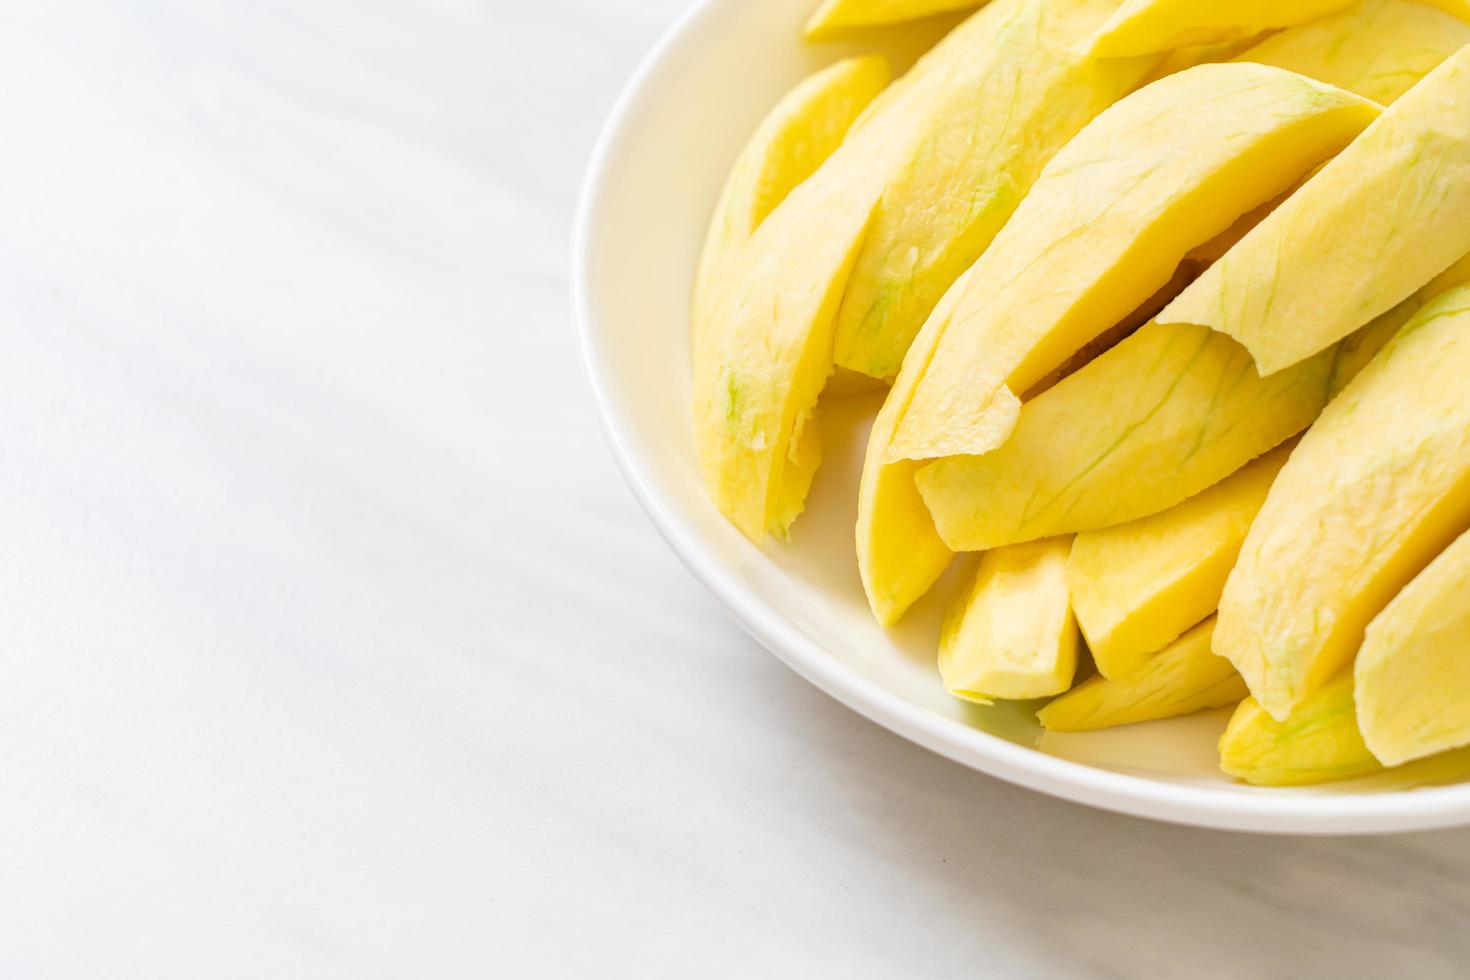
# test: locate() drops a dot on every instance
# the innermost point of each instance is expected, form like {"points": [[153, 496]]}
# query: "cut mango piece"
{"points": [[1012, 635], [1317, 743], [1377, 488], [1145, 26], [767, 352], [789, 145], [835, 17], [1377, 223], [1138, 586], [1378, 48], [1023, 95], [1413, 671], [1107, 225], [1179, 680], [1165, 414]]}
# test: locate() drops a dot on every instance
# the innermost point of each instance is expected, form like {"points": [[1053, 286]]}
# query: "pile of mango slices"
{"points": [[1173, 300]]}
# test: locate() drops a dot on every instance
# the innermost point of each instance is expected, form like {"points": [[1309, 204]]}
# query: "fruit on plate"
{"points": [[835, 17], [1145, 26], [1105, 227], [791, 143], [1012, 634], [1376, 489], [1181, 679], [1413, 671], [1137, 587], [964, 177], [1377, 48], [768, 349], [1317, 743], [1376, 224]]}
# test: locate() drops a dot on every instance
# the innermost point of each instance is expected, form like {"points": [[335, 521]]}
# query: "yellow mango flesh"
{"points": [[1378, 48], [1378, 222], [1317, 743], [834, 17], [1126, 205], [1003, 114], [1179, 680], [1145, 26], [1106, 226], [1413, 670], [796, 138], [1374, 491], [767, 352], [1012, 635], [1138, 586], [1165, 414]]}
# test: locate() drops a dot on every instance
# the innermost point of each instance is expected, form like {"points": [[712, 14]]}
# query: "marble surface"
{"points": [[332, 644]]}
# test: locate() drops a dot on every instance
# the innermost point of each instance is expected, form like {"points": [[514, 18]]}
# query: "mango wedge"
{"points": [[1023, 94], [794, 140], [1138, 586], [1165, 414], [1145, 26], [1377, 48], [1319, 742], [1413, 671], [835, 17], [1012, 635], [1373, 226], [767, 352], [790, 144], [1106, 226], [1180, 680], [1377, 488]]}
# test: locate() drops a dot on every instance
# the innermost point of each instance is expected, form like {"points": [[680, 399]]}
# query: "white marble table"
{"points": [[331, 643]]}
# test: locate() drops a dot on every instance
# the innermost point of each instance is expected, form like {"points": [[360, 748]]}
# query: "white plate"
{"points": [[649, 191]]}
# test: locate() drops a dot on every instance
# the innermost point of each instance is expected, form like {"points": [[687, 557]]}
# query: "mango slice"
{"points": [[1138, 586], [1377, 48], [767, 351], [1021, 97], [1012, 635], [1377, 488], [1373, 226], [1106, 226], [790, 144], [1317, 743], [834, 17], [1146, 26], [1413, 671], [1179, 680], [1165, 414]]}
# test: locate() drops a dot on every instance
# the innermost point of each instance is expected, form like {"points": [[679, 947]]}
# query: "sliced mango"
{"points": [[1377, 48], [1106, 226], [1138, 586], [1317, 743], [1179, 680], [1377, 488], [1146, 26], [834, 17], [1012, 635], [1413, 671], [767, 352], [1373, 226], [1165, 414], [1022, 96], [789, 145]]}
